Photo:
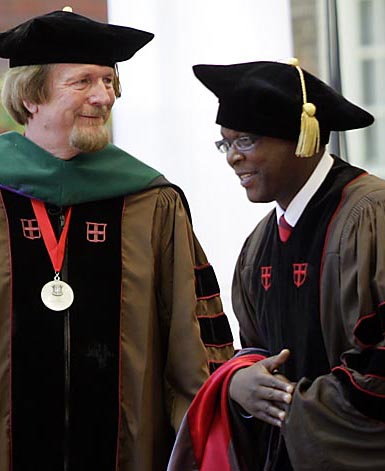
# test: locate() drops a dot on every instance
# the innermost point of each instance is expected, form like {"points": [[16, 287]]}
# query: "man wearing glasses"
{"points": [[309, 285]]}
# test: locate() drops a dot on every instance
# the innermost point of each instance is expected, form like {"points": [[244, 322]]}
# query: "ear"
{"points": [[31, 107]]}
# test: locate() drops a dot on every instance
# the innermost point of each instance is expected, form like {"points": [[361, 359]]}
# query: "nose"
{"points": [[234, 156], [100, 94]]}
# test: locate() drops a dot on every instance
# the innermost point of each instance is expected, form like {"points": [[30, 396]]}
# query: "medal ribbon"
{"points": [[55, 249]]}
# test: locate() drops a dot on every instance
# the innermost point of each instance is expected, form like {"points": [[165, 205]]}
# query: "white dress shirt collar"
{"points": [[301, 199]]}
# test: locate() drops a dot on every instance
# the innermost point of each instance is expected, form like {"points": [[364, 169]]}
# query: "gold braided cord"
{"points": [[302, 79]]}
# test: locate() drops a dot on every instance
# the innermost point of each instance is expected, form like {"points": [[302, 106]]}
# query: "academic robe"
{"points": [[337, 418], [104, 384]]}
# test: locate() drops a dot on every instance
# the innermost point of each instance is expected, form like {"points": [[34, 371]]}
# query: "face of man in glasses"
{"points": [[268, 169]]}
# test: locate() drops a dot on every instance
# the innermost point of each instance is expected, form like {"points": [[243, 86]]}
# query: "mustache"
{"points": [[99, 112]]}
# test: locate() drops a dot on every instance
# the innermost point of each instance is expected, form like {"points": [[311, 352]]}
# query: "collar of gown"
{"points": [[27, 169]]}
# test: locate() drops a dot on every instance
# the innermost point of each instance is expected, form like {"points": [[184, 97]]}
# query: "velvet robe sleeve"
{"points": [[242, 289], [187, 291], [337, 422]]}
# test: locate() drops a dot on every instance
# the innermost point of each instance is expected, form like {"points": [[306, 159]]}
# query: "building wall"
{"points": [[305, 27]]}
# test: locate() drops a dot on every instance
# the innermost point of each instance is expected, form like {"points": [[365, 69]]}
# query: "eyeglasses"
{"points": [[242, 144]]}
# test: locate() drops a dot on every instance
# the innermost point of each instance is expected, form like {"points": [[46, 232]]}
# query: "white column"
{"points": [[166, 117]]}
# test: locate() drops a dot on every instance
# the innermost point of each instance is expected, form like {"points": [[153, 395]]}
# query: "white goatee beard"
{"points": [[90, 138]]}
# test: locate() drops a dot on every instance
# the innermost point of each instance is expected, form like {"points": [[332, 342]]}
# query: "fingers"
{"points": [[273, 395], [271, 406], [283, 384], [278, 382], [271, 414]]}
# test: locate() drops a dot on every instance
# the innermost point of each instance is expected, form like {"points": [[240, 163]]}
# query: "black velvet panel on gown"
{"points": [[65, 365]]}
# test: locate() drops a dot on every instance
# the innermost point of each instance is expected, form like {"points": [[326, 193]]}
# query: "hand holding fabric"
{"points": [[262, 393]]}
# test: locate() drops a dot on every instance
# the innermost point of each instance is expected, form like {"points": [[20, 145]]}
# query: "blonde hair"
{"points": [[30, 83]]}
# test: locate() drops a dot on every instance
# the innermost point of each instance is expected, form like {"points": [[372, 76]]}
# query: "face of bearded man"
{"points": [[76, 115]]}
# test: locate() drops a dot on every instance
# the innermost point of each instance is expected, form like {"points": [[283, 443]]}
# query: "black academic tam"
{"points": [[66, 37]]}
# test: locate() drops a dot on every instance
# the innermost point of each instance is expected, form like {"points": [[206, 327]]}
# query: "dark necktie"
{"points": [[284, 229]]}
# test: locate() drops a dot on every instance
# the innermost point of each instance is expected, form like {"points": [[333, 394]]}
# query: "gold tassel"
{"points": [[309, 136]]}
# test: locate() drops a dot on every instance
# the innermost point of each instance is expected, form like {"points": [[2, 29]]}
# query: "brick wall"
{"points": [[13, 12]]}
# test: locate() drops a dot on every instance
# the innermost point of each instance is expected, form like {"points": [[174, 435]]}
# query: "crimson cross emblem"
{"points": [[96, 232], [299, 273], [266, 277], [30, 228]]}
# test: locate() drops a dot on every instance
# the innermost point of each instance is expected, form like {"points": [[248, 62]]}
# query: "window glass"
{"points": [[368, 81], [366, 22]]}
